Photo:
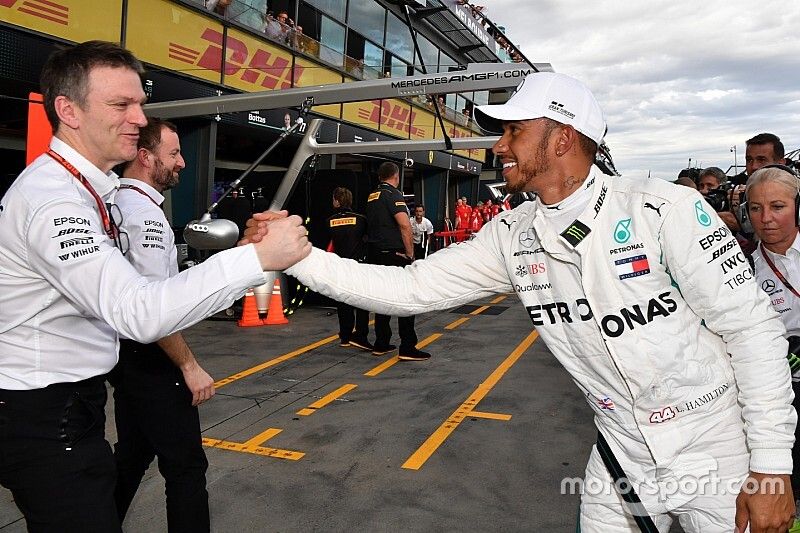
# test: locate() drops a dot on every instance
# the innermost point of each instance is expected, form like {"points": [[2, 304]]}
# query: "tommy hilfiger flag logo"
{"points": [[632, 267]]}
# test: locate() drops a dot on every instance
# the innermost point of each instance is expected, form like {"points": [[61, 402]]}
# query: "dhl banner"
{"points": [[308, 73], [166, 34], [425, 123], [393, 117], [73, 20], [253, 65]]}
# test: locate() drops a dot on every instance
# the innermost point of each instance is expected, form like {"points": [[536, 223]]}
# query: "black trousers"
{"points": [[155, 418], [405, 324], [54, 457], [349, 318]]}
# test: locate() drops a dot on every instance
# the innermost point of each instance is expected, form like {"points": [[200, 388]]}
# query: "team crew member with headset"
{"points": [[638, 290], [66, 290], [158, 386], [772, 203], [348, 231], [390, 243]]}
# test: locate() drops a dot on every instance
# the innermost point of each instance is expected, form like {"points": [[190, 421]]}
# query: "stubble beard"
{"points": [[538, 165]]}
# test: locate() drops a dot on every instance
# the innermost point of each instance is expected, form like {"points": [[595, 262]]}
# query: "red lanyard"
{"points": [[140, 191], [110, 229], [778, 272]]}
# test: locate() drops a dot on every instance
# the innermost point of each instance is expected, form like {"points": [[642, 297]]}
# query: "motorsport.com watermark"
{"points": [[457, 78], [686, 485]]}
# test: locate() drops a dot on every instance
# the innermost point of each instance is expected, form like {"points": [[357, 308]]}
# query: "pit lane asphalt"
{"points": [[419, 446]]}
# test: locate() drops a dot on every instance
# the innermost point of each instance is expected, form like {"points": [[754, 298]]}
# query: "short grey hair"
{"points": [[773, 174], [716, 172]]}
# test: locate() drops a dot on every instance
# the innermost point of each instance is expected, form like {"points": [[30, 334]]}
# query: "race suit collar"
{"points": [[576, 233]]}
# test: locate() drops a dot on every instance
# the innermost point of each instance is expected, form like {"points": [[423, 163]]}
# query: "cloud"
{"points": [[676, 79]]}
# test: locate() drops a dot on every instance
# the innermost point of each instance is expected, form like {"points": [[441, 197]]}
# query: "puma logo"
{"points": [[507, 223], [648, 205]]}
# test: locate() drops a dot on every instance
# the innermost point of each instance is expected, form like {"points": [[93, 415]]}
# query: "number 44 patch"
{"points": [[667, 413]]}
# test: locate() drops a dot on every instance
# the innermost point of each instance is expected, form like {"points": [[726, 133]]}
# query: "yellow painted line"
{"points": [[262, 437], [325, 400], [491, 416], [427, 340], [393, 361], [456, 323], [424, 452], [273, 362], [250, 448], [480, 310], [381, 367], [498, 299]]}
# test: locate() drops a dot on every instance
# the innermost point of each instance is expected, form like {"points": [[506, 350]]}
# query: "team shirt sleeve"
{"points": [[67, 246]]}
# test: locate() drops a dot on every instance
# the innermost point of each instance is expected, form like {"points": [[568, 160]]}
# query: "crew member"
{"points": [[421, 231], [158, 386], [390, 243], [66, 290], [772, 196], [348, 231]]}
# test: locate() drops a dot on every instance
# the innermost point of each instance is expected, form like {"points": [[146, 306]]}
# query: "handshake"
{"points": [[280, 240]]}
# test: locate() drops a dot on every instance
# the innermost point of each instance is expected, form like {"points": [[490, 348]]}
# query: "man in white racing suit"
{"points": [[639, 290]]}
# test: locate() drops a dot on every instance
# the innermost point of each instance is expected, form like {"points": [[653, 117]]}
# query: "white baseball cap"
{"points": [[547, 95]]}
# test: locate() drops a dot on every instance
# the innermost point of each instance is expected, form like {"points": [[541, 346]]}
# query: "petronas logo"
{"points": [[623, 231], [576, 232], [702, 216]]}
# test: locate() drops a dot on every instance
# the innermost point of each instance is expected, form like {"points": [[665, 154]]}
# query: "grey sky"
{"points": [[676, 79]]}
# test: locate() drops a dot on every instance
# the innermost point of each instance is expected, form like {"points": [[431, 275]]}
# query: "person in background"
{"points": [[421, 231], [348, 231], [710, 178], [391, 243], [772, 204], [158, 386]]}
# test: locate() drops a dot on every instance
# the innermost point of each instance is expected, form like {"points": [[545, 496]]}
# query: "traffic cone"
{"points": [[250, 311], [275, 314]]}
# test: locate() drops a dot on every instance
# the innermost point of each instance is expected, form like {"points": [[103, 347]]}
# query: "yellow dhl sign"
{"points": [[392, 116], [74, 20]]}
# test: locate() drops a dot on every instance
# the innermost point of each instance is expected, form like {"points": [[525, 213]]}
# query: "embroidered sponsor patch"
{"points": [[576, 232], [347, 221], [374, 196], [632, 267]]}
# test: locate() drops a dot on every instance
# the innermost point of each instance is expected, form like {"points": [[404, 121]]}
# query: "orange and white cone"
{"points": [[250, 311], [275, 314]]}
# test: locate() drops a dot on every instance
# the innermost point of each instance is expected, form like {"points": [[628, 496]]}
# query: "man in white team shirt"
{"points": [[66, 290], [158, 386], [421, 231]]}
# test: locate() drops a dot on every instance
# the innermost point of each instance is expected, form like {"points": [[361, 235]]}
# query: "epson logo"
{"points": [[715, 236]]}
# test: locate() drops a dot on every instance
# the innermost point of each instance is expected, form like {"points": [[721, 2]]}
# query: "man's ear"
{"points": [[566, 139], [144, 157], [69, 113]]}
